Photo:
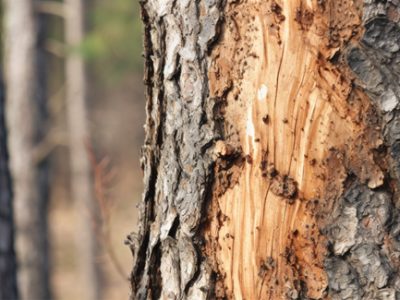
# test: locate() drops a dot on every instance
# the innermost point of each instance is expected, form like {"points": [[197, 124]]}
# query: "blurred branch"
{"points": [[55, 47], [50, 7], [104, 175], [53, 139], [56, 103]]}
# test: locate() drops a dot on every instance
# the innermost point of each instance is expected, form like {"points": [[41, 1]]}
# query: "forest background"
{"points": [[112, 53]]}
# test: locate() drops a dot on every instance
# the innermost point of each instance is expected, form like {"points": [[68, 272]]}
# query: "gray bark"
{"points": [[81, 180], [182, 126], [25, 110], [8, 264], [363, 263]]}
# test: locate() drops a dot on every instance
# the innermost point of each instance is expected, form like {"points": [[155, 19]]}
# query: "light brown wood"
{"points": [[274, 62]]}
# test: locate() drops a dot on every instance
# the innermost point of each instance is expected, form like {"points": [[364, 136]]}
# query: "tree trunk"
{"points": [[25, 110], [271, 159], [8, 264], [81, 181]]}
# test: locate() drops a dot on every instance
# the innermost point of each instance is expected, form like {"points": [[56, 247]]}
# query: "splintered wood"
{"points": [[290, 107]]}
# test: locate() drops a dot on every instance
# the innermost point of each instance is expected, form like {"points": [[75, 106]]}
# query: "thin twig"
{"points": [[103, 177]]}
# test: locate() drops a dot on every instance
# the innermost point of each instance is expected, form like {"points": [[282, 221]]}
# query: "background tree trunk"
{"points": [[271, 158], [8, 264], [25, 107], [82, 186]]}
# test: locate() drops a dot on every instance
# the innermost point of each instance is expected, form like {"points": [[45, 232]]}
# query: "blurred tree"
{"points": [[81, 180], [26, 117], [8, 264]]}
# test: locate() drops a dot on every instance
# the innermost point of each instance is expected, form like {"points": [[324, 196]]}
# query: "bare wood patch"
{"points": [[301, 108]]}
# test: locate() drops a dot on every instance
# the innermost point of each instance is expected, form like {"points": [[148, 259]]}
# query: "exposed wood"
{"points": [[303, 148], [81, 177], [320, 129]]}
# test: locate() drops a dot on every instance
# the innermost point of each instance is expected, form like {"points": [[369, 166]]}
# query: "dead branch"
{"points": [[104, 176]]}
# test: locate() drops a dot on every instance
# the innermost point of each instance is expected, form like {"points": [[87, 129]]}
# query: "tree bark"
{"points": [[25, 118], [8, 264], [81, 180], [271, 158]]}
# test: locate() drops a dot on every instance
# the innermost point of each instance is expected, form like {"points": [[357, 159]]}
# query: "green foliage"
{"points": [[113, 46]]}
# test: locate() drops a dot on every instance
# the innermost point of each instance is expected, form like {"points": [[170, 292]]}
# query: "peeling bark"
{"points": [[270, 160]]}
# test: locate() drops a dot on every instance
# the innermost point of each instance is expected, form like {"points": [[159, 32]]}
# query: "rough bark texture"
{"points": [[81, 177], [364, 260], [270, 161], [8, 264], [177, 159], [25, 107]]}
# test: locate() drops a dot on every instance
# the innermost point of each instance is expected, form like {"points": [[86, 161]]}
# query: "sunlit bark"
{"points": [[271, 153]]}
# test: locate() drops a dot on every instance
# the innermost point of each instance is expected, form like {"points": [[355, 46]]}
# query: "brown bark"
{"points": [[25, 116], [8, 264], [271, 153]]}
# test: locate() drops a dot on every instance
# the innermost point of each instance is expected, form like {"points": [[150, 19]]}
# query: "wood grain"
{"points": [[289, 108]]}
